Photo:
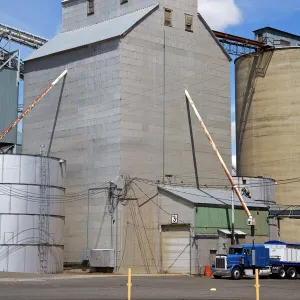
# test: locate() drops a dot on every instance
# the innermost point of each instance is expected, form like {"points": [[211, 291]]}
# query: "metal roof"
{"points": [[92, 34], [236, 232], [209, 196], [275, 29], [282, 243]]}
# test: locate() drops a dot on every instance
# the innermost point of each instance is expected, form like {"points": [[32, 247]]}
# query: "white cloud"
{"points": [[219, 14], [233, 133]]}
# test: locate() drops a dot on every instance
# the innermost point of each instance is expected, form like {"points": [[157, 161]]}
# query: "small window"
{"points": [[260, 37], [168, 17], [189, 23], [285, 43], [244, 181], [123, 1], [247, 251], [91, 7]]}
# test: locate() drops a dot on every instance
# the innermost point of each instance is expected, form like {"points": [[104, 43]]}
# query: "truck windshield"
{"points": [[235, 250]]}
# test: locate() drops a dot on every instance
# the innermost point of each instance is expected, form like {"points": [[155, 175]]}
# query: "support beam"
{"points": [[21, 37]]}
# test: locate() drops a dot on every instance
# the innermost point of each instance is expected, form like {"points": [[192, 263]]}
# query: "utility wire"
{"points": [[146, 234]]}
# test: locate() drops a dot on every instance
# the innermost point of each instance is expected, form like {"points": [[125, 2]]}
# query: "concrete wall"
{"points": [[87, 133], [154, 118], [269, 141], [124, 112], [154, 126], [74, 12]]}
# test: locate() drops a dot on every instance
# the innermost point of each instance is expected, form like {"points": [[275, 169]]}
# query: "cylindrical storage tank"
{"points": [[31, 213], [268, 124], [8, 104]]}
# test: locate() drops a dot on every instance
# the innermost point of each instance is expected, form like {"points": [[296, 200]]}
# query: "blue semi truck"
{"points": [[273, 258]]}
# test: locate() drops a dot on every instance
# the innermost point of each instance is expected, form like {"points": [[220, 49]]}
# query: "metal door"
{"points": [[176, 249]]}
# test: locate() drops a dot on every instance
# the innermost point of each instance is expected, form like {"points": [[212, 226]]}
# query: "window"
{"points": [[285, 43], [189, 23], [91, 7], [244, 181], [247, 251], [235, 250], [168, 17], [123, 1], [260, 37]]}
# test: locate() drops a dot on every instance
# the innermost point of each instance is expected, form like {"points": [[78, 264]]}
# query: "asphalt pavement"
{"points": [[88, 287]]}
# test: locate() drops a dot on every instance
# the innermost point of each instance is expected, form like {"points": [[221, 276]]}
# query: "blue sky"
{"points": [[239, 17]]}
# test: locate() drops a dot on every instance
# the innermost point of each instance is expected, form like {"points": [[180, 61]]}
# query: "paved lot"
{"points": [[87, 287]]}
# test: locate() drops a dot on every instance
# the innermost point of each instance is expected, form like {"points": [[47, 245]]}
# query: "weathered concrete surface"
{"points": [[267, 122]]}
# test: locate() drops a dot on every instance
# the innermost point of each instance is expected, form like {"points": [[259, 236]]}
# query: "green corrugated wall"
{"points": [[8, 103], [209, 219]]}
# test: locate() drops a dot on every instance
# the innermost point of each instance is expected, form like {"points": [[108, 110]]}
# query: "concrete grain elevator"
{"points": [[268, 122]]}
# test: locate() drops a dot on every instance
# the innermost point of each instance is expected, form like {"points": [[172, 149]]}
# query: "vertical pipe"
{"points": [[88, 221], [278, 228], [192, 143], [129, 284], [257, 286], [116, 232], [164, 104], [19, 68], [190, 251], [232, 218]]}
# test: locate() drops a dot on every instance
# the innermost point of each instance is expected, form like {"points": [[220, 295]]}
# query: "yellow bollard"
{"points": [[257, 286], [129, 284]]}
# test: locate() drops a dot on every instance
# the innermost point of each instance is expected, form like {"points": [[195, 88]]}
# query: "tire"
{"points": [[291, 273], [217, 276], [281, 273], [236, 273]]}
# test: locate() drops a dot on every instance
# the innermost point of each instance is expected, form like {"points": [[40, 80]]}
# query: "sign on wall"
{"points": [[174, 219]]}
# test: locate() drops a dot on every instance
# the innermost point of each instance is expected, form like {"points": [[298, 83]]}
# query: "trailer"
{"points": [[273, 258], [284, 259]]}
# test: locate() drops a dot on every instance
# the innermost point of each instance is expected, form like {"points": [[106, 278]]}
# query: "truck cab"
{"points": [[241, 260]]}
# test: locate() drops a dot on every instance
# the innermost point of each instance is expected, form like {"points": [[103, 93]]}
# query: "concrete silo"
{"points": [[268, 124]]}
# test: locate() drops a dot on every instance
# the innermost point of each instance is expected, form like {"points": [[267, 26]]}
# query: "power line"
{"points": [[60, 199], [146, 233]]}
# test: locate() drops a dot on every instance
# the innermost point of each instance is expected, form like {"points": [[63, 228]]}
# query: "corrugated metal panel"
{"points": [[8, 103], [209, 196], [92, 34], [226, 231], [209, 219], [20, 193], [176, 250]]}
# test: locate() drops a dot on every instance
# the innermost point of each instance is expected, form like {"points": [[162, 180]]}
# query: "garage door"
{"points": [[176, 249]]}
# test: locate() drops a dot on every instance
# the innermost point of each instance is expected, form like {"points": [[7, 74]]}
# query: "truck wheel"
{"points": [[236, 273], [291, 273], [281, 273]]}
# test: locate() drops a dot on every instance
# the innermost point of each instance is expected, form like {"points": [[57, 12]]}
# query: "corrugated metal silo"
{"points": [[268, 124], [20, 214], [8, 103]]}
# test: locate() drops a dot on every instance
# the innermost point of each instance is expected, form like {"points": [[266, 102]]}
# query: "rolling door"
{"points": [[176, 249]]}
